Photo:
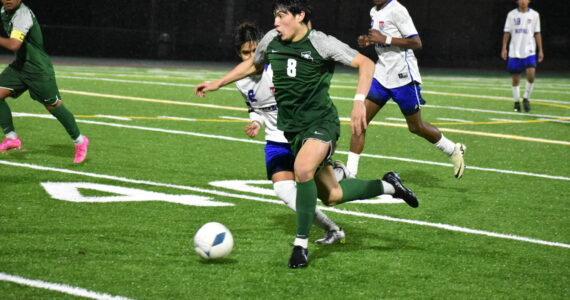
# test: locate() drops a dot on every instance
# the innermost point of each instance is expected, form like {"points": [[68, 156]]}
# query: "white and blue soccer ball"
{"points": [[213, 241]]}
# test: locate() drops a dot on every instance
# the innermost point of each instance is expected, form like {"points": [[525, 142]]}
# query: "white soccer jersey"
{"points": [[257, 90], [396, 66], [522, 27]]}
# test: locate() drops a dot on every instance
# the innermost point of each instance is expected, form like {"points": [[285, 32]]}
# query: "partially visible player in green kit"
{"points": [[31, 70], [303, 62]]}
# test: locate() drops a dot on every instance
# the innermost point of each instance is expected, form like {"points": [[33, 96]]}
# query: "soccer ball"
{"points": [[213, 241]]}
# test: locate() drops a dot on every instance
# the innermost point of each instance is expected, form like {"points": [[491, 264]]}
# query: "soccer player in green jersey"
{"points": [[31, 70], [303, 62]]}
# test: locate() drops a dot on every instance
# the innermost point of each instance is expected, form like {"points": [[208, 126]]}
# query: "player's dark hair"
{"points": [[244, 33], [295, 7]]}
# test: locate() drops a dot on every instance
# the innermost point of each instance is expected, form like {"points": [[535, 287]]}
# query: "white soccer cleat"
{"points": [[457, 158], [341, 172], [332, 237]]}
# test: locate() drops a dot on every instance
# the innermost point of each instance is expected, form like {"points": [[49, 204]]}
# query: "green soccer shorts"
{"points": [[42, 87], [325, 131]]}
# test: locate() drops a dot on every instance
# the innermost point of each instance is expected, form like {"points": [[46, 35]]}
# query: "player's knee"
{"points": [[54, 106], [303, 173], [415, 129]]}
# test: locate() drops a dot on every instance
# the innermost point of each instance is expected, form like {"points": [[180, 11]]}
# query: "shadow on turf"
{"points": [[359, 240], [421, 178], [224, 261]]}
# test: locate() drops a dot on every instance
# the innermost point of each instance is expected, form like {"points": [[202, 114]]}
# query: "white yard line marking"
{"points": [[396, 119], [344, 119], [468, 109], [501, 87], [487, 134], [153, 100], [332, 86], [555, 121], [472, 96], [450, 227], [554, 103], [455, 120], [114, 117], [58, 287], [506, 120], [177, 118], [240, 196], [234, 118], [263, 143], [433, 163]]}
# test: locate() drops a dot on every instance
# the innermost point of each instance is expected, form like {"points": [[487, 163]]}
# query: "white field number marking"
{"points": [[69, 191]]}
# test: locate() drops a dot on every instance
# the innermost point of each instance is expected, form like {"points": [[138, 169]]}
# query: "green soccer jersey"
{"points": [[302, 72], [31, 58]]}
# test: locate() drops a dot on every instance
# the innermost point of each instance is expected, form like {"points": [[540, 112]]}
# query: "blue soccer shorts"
{"points": [[517, 65], [408, 97], [278, 157]]}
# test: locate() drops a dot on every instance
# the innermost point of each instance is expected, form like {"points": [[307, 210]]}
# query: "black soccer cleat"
{"points": [[517, 107], [526, 105], [299, 258], [402, 192]]}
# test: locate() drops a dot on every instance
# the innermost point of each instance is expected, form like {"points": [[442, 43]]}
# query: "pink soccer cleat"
{"points": [[8, 144], [81, 151]]}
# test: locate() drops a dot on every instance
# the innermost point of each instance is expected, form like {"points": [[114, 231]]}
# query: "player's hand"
{"points": [[201, 89], [363, 41], [252, 129], [358, 118], [374, 36], [540, 56], [504, 54]]}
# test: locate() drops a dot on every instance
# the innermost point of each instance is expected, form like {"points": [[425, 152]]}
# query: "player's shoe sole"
{"points": [[332, 237], [458, 160], [299, 258], [526, 105], [401, 191]]}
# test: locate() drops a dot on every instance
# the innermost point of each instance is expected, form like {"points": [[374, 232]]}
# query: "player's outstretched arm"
{"points": [[10, 43], [242, 70], [365, 72], [375, 36]]}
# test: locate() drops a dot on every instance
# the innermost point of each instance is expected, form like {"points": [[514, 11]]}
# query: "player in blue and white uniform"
{"points": [[397, 77], [258, 91], [523, 29]]}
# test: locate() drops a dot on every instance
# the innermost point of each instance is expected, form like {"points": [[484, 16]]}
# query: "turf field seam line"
{"points": [[241, 196], [263, 143], [58, 287]]}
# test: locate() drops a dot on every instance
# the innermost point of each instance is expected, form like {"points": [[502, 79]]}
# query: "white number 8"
{"points": [[291, 67]]}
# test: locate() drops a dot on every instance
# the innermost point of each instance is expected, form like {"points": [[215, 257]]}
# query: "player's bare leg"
{"points": [[455, 151], [357, 141]]}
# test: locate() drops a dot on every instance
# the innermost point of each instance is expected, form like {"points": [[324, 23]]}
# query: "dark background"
{"points": [[455, 33]]}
